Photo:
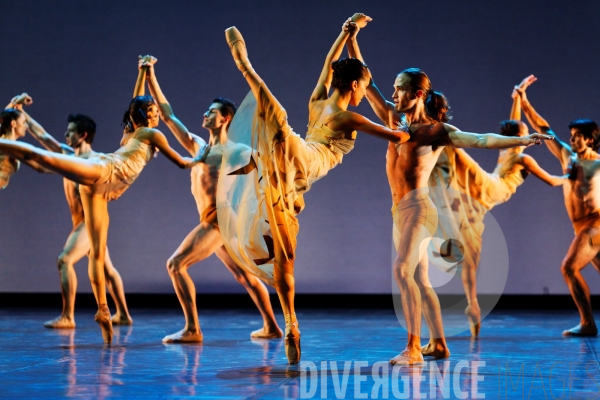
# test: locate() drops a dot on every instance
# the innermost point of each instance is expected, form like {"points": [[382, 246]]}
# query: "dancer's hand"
{"points": [[536, 138], [20, 100], [520, 89], [361, 20]]}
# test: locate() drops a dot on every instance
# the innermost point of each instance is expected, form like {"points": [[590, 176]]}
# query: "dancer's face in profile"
{"points": [[20, 126], [72, 137], [153, 116], [404, 97], [359, 90], [579, 143], [213, 119]]}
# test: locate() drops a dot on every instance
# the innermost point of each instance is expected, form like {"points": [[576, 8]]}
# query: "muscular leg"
{"points": [[114, 283], [469, 264], [95, 209], [259, 294], [200, 243], [75, 249], [76, 169], [240, 56], [581, 253], [432, 311]]}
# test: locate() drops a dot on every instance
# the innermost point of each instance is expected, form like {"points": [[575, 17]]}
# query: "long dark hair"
{"points": [[347, 70], [436, 104], [6, 117], [137, 112]]}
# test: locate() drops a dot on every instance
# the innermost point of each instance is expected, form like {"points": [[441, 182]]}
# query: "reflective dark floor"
{"points": [[519, 355]]}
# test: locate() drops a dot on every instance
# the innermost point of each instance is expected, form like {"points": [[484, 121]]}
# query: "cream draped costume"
{"points": [[463, 192], [268, 182], [8, 166], [119, 169]]}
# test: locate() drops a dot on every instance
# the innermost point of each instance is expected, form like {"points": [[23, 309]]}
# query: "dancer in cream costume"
{"points": [[474, 192], [257, 216], [205, 239], [79, 136], [424, 113], [105, 177]]}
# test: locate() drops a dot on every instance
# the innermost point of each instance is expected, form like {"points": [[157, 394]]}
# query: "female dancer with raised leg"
{"points": [[489, 189], [288, 165], [105, 177]]}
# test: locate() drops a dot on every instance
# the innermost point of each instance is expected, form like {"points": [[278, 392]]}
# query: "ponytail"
{"points": [[436, 106]]}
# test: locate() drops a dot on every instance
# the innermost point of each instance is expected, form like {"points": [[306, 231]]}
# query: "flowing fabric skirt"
{"points": [[260, 191]]}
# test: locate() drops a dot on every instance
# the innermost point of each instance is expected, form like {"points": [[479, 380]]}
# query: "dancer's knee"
{"points": [[404, 273], [568, 268], [175, 266], [63, 261]]}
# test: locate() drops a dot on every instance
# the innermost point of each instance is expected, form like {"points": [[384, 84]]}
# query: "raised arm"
{"points": [[558, 148], [37, 130], [460, 139], [515, 111], [139, 89], [324, 83], [532, 166], [188, 140], [383, 109]]}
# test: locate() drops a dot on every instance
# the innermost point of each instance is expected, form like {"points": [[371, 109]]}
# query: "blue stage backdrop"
{"points": [[82, 57]]}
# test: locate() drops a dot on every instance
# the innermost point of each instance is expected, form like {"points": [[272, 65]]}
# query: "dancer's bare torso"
{"points": [[582, 189], [409, 165], [205, 176]]}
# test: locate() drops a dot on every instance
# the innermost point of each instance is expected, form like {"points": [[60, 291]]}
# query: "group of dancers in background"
{"points": [[249, 179]]}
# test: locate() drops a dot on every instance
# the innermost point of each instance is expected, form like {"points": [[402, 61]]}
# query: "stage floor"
{"points": [[524, 353]]}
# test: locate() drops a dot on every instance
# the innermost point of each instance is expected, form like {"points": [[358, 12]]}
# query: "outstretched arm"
{"points": [[158, 140], [360, 123], [458, 138], [383, 109], [558, 148], [183, 135], [324, 83], [37, 130], [532, 166]]}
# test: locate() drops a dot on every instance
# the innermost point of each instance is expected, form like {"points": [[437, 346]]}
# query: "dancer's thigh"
{"points": [[199, 244], [77, 245], [583, 250]]}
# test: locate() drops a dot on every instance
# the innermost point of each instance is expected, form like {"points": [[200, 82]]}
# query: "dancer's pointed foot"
{"points": [[582, 330], [407, 357], [267, 333], [184, 336], [236, 43], [435, 350], [102, 318], [292, 343], [121, 319], [61, 322], [473, 314]]}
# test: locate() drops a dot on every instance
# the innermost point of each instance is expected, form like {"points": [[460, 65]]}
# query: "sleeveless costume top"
{"points": [[119, 169], [8, 166]]}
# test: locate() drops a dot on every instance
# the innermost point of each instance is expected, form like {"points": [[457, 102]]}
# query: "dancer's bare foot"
{"points": [[266, 333], [102, 317], [292, 343], [183, 336], [473, 313], [437, 351], [61, 322], [582, 330], [121, 319], [407, 357]]}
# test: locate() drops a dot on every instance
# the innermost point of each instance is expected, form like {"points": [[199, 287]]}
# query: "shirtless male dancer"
{"points": [[424, 114], [78, 137], [580, 160], [205, 239]]}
